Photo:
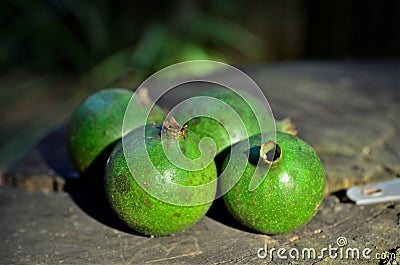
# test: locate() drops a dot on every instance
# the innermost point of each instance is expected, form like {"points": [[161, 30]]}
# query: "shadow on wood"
{"points": [[86, 190]]}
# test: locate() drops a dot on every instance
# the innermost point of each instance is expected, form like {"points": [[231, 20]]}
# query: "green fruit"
{"points": [[290, 193], [96, 124], [134, 187], [223, 135]]}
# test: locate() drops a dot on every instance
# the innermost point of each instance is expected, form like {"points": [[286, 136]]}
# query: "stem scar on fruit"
{"points": [[270, 152], [267, 154]]}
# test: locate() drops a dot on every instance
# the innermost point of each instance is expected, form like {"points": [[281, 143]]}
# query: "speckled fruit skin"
{"points": [[290, 194], [208, 127], [97, 123], [138, 209]]}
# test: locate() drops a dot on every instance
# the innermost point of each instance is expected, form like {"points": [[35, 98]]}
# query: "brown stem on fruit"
{"points": [[172, 127], [286, 125], [270, 152], [143, 98]]}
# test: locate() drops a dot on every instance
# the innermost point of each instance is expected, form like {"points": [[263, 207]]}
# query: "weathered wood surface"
{"points": [[348, 112]]}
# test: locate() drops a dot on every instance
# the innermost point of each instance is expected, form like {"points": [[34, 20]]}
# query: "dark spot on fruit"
{"points": [[146, 202], [177, 214], [122, 182]]}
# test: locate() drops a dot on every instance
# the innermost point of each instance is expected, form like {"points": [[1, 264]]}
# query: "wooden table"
{"points": [[349, 112]]}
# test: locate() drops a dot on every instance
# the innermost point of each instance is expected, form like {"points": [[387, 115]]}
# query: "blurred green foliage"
{"points": [[108, 39], [111, 38]]}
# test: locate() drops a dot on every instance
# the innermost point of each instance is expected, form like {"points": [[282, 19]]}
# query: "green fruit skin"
{"points": [[137, 208], [290, 194], [97, 123], [208, 127]]}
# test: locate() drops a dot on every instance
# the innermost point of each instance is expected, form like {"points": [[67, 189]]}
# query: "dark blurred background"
{"points": [[54, 53]]}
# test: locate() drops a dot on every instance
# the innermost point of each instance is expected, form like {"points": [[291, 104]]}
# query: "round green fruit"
{"points": [[139, 172], [292, 188], [225, 127], [96, 124]]}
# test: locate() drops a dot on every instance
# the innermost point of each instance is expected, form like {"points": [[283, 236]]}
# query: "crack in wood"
{"points": [[233, 260], [190, 254], [314, 234], [368, 220], [376, 144]]}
